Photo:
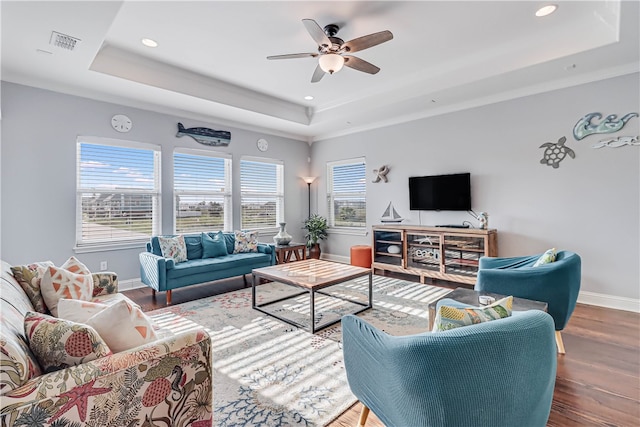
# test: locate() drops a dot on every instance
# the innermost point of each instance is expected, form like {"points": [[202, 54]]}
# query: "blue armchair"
{"points": [[556, 283], [499, 373]]}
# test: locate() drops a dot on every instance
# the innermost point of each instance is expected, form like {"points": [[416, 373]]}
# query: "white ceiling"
{"points": [[211, 62]]}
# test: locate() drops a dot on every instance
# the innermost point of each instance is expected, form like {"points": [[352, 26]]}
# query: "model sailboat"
{"points": [[390, 215]]}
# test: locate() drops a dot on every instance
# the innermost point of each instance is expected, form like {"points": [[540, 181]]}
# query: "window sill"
{"points": [[109, 247], [350, 231]]}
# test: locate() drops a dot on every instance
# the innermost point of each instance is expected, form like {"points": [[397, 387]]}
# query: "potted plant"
{"points": [[316, 227]]}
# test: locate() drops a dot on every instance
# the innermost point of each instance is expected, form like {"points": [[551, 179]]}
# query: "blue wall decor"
{"points": [[617, 142], [555, 153], [610, 124], [206, 136]]}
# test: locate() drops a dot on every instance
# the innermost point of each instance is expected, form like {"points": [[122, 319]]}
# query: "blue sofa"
{"points": [[164, 274]]}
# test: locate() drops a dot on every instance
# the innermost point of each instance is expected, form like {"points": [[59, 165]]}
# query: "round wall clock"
{"points": [[263, 144], [121, 123]]}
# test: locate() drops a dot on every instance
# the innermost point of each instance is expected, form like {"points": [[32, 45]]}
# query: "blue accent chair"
{"points": [[498, 373], [556, 283]]}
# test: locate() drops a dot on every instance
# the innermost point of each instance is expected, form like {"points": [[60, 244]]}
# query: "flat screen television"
{"points": [[440, 192]]}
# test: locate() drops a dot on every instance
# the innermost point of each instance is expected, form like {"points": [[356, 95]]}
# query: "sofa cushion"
{"points": [[58, 283], [194, 246], [213, 247], [77, 310], [59, 343], [449, 317], [123, 326], [17, 361], [246, 241], [173, 247], [208, 265], [29, 277]]}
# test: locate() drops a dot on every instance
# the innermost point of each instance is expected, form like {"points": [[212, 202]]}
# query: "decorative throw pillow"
{"points": [[17, 361], [173, 247], [75, 266], [123, 326], [455, 317], [29, 277], [213, 246], [78, 310], [59, 343], [246, 241], [546, 258], [58, 283]]}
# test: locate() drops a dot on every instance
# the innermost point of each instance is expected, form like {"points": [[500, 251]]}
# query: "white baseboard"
{"points": [[127, 285], [609, 301], [335, 258]]}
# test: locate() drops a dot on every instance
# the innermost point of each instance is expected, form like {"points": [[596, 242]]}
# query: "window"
{"points": [[201, 190], [346, 193], [262, 193], [118, 192]]}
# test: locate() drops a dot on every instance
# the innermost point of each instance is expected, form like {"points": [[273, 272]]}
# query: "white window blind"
{"points": [[262, 193], [118, 192], [202, 191], [346, 193]]}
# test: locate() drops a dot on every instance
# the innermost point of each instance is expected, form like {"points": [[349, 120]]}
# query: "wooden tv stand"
{"points": [[450, 254]]}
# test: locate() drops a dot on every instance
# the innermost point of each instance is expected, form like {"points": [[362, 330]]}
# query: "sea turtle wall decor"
{"points": [[555, 153], [610, 124]]}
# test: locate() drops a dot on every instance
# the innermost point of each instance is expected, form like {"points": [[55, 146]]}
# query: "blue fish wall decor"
{"points": [[610, 124], [206, 136]]}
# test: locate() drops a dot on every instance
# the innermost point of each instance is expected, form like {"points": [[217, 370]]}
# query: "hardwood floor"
{"points": [[598, 379]]}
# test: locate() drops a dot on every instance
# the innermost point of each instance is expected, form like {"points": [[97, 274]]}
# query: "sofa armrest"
{"points": [[268, 248], [169, 381], [153, 270], [105, 283]]}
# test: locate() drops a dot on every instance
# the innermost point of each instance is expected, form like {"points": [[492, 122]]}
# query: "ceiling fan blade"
{"points": [[318, 74], [360, 64], [366, 42], [293, 56], [317, 33]]}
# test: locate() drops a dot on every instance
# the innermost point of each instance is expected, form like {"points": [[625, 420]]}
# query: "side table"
{"points": [[291, 252]]}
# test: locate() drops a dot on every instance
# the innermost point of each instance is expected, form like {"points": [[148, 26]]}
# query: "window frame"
{"points": [[227, 193], [96, 245], [331, 219], [278, 193]]}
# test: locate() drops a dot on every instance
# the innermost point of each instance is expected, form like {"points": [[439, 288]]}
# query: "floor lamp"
{"points": [[309, 180]]}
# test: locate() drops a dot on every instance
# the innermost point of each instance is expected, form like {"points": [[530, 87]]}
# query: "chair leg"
{"points": [[244, 277], [559, 343], [153, 293], [168, 297], [363, 416]]}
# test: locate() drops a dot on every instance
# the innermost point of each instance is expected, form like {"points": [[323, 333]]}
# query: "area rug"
{"points": [[270, 373]]}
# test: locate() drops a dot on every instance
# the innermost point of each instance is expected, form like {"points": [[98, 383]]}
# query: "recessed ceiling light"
{"points": [[308, 97], [546, 10], [149, 42]]}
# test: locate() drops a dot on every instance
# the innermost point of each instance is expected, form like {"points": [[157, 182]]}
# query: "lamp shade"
{"points": [[308, 179], [331, 62]]}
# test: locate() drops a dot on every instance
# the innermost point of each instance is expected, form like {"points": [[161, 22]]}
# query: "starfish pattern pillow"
{"points": [[58, 283]]}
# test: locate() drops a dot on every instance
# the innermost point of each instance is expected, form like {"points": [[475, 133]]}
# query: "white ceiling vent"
{"points": [[63, 41]]}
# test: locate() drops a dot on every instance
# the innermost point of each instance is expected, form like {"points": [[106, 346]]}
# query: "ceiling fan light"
{"points": [[331, 63]]}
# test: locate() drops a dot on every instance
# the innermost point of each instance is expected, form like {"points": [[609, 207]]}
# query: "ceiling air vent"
{"points": [[63, 41]]}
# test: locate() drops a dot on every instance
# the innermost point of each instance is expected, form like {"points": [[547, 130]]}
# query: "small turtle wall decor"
{"points": [[610, 124], [555, 153]]}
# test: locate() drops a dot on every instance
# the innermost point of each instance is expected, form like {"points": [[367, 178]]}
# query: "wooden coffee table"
{"points": [[469, 296], [312, 276]]}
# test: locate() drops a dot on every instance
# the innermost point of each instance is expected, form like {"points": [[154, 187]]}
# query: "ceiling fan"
{"points": [[332, 50]]}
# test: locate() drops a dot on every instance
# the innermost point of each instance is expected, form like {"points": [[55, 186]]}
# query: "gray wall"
{"points": [[39, 131], [589, 205]]}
